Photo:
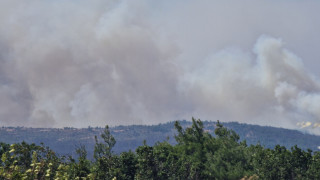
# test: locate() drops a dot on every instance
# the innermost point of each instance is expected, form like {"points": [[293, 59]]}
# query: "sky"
{"points": [[120, 62]]}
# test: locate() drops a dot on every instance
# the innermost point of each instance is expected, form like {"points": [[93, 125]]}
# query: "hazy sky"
{"points": [[119, 62]]}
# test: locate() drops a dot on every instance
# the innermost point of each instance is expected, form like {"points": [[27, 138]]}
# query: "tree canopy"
{"points": [[197, 155]]}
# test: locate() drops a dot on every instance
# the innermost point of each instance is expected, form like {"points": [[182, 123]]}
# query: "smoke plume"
{"points": [[78, 63]]}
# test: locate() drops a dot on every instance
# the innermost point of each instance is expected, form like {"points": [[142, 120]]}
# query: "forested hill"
{"points": [[66, 140]]}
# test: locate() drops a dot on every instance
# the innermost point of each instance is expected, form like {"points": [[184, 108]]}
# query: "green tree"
{"points": [[127, 166], [313, 167], [105, 161], [191, 146], [81, 167], [146, 167]]}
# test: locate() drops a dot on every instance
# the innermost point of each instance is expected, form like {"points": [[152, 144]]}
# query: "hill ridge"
{"points": [[65, 140]]}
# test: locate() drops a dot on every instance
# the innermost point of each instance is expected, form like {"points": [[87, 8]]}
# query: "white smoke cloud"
{"points": [[80, 63], [274, 88]]}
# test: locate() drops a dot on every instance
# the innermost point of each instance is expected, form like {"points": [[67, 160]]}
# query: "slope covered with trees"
{"points": [[196, 155], [65, 141]]}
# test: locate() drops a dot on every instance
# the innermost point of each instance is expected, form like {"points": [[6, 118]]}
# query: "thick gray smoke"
{"points": [[80, 63]]}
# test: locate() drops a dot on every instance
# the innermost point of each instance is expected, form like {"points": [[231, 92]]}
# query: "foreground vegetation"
{"points": [[64, 141], [197, 155]]}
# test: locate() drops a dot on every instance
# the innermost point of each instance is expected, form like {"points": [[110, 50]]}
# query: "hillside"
{"points": [[65, 141]]}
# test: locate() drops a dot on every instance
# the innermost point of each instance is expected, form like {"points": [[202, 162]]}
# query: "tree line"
{"points": [[197, 155]]}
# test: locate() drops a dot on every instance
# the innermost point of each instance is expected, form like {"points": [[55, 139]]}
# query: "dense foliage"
{"points": [[64, 141], [197, 155]]}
